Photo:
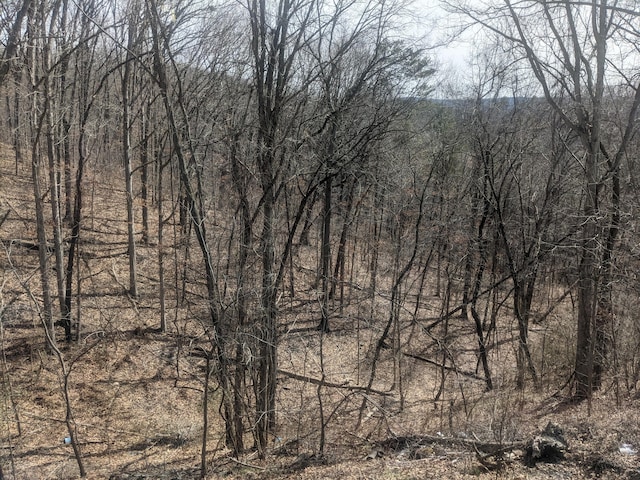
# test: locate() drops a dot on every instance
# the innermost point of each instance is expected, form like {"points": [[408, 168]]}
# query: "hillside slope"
{"points": [[136, 394]]}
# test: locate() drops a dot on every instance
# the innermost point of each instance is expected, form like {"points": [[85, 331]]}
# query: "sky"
{"points": [[438, 26]]}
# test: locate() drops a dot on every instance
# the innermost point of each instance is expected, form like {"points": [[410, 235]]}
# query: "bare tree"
{"points": [[126, 83], [38, 63], [89, 82], [278, 33], [568, 47]]}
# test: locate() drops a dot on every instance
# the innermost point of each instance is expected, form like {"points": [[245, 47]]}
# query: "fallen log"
{"points": [[324, 383], [547, 446], [416, 441]]}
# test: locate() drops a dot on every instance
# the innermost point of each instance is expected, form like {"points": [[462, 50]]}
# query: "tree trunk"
{"points": [[160, 206], [74, 239], [47, 314], [325, 254], [339, 270], [37, 121], [54, 195], [605, 313], [144, 173], [267, 368], [68, 177], [236, 435], [304, 233], [126, 151], [587, 284], [205, 418]]}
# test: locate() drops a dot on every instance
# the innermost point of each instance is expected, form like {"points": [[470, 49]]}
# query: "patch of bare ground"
{"points": [[136, 394]]}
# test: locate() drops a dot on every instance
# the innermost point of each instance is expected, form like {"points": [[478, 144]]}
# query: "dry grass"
{"points": [[137, 394]]}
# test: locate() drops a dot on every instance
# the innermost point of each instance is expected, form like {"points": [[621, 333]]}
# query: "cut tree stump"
{"points": [[549, 446]]}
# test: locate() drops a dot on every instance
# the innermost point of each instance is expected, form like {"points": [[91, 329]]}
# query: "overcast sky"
{"points": [[438, 26]]}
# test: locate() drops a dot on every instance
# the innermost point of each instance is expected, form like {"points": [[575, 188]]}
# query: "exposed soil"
{"points": [[136, 394]]}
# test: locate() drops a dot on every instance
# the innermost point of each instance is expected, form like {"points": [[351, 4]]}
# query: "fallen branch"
{"points": [[4, 217], [486, 449], [30, 245], [345, 385], [439, 365], [248, 465], [548, 446], [497, 455], [558, 301]]}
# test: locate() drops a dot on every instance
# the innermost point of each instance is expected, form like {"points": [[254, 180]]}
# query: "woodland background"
{"points": [[265, 238]]}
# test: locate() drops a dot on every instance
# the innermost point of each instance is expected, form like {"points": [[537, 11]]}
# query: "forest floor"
{"points": [[136, 394]]}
